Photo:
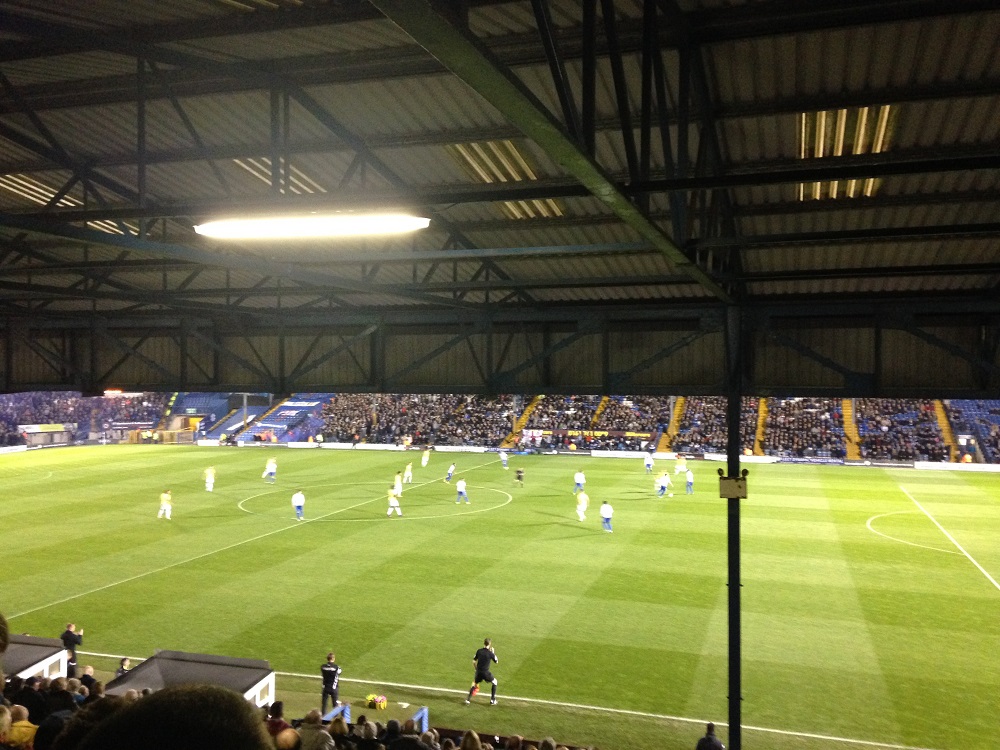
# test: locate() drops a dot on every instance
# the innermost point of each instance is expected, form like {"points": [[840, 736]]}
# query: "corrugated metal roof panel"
{"points": [[70, 67], [291, 43]]}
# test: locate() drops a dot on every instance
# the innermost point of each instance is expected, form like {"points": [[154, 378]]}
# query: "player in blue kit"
{"points": [[451, 473], [664, 483], [503, 459]]}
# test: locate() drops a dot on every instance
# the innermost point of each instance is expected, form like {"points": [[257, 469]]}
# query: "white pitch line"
{"points": [[204, 554], [944, 531], [620, 711], [147, 573], [903, 541]]}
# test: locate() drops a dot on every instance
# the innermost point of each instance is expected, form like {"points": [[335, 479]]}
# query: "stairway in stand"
{"points": [[852, 438], [667, 438], [512, 439], [946, 432], [758, 442]]}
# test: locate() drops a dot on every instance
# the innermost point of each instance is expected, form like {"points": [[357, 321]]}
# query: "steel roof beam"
{"points": [[307, 276], [146, 265], [875, 234], [471, 63], [762, 173], [819, 274], [153, 54], [727, 23]]}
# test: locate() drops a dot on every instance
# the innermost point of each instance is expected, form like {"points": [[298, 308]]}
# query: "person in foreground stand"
{"points": [[331, 681], [483, 659], [124, 666], [710, 741], [314, 736]]}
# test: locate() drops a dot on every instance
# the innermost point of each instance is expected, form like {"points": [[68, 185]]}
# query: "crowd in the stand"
{"points": [[894, 429], [420, 418], [84, 414], [564, 413], [143, 408], [702, 427], [804, 427], [899, 429], [39, 713], [980, 420], [635, 413]]}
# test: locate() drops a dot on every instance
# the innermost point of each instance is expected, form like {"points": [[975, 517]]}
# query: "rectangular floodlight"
{"points": [[311, 226]]}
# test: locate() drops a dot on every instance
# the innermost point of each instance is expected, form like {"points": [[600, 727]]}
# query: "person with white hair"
{"points": [[312, 734]]}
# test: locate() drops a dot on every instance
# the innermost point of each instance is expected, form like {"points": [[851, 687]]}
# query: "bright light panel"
{"points": [[301, 227]]}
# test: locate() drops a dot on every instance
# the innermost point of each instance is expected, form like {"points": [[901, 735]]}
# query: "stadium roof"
{"points": [[590, 169]]}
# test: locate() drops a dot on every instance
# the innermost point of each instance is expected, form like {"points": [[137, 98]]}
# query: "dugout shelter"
{"points": [[31, 656], [251, 678]]}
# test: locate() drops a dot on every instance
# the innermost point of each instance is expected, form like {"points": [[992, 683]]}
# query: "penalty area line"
{"points": [[954, 541], [620, 712]]}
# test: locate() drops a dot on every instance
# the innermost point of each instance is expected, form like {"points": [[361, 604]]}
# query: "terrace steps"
{"points": [[667, 438], [218, 422], [261, 418], [758, 441], [511, 440], [947, 435], [852, 443]]}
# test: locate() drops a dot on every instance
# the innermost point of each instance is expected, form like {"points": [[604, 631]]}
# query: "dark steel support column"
{"points": [[621, 87], [734, 392], [589, 75], [141, 147], [557, 67]]}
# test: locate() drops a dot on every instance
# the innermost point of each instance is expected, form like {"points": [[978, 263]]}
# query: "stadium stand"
{"points": [[213, 407], [702, 428], [981, 419], [899, 430], [283, 422], [87, 415], [564, 413], [419, 418], [804, 428], [233, 423], [635, 414]]}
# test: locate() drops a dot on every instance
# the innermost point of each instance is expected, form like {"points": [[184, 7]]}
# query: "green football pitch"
{"points": [[871, 610]]}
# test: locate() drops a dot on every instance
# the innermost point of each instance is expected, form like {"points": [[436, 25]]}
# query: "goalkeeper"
{"points": [[483, 659]]}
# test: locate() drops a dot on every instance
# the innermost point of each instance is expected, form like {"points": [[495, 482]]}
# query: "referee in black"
{"points": [[331, 679], [483, 659]]}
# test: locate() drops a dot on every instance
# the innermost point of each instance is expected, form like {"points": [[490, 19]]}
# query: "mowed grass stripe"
{"points": [[636, 619]]}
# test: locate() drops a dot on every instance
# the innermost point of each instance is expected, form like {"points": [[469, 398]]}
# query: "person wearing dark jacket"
{"points": [[710, 741]]}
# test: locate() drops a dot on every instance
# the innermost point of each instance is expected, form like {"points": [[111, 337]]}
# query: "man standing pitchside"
{"points": [[331, 680], [483, 659], [70, 640]]}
